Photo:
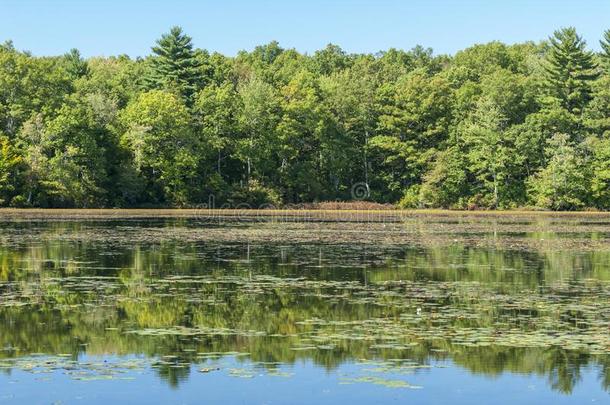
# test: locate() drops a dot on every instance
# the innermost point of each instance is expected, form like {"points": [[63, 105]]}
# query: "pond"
{"points": [[197, 307]]}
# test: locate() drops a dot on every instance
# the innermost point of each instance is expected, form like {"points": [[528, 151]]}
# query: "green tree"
{"points": [[76, 66], [414, 120], [10, 164], [597, 114], [259, 63], [305, 142], [483, 59], [530, 137], [218, 108], [470, 130], [605, 44], [393, 64], [512, 93], [569, 70], [117, 78], [174, 66], [286, 66], [446, 184], [600, 170], [349, 97], [164, 148], [257, 146], [489, 151], [28, 86], [74, 145], [562, 184], [330, 60], [32, 138]]}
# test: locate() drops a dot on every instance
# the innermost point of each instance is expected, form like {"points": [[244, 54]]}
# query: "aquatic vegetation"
{"points": [[87, 370], [380, 381], [529, 295]]}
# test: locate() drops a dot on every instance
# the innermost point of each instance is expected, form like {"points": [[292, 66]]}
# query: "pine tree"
{"points": [[75, 64], [175, 67], [570, 69], [605, 44]]}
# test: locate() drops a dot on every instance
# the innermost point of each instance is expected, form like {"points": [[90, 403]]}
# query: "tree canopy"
{"points": [[494, 126]]}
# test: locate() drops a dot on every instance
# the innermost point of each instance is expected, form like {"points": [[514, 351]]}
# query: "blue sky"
{"points": [[111, 27]]}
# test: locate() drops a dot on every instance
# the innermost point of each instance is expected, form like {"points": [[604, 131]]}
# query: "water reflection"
{"points": [[488, 310]]}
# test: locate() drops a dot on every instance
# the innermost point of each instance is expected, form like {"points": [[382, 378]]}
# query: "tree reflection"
{"points": [[78, 297]]}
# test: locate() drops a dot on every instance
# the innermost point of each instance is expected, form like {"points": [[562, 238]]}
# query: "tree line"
{"points": [[494, 126]]}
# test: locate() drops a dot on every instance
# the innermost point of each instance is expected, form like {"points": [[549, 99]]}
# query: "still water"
{"points": [[424, 309]]}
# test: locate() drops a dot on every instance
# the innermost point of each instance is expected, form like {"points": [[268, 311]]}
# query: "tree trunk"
{"points": [[219, 158], [495, 191]]}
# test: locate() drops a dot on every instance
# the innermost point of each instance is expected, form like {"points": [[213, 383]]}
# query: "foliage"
{"points": [[10, 162], [163, 145], [445, 184], [562, 184], [605, 44], [600, 170], [183, 126], [570, 68], [174, 66], [489, 150]]}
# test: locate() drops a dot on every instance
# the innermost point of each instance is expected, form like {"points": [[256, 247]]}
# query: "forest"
{"points": [[494, 126]]}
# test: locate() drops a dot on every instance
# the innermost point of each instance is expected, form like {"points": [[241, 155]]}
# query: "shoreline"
{"points": [[285, 213]]}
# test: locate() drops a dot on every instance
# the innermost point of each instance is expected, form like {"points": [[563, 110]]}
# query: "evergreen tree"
{"points": [[605, 44], [569, 69], [175, 67], [75, 65], [468, 130]]}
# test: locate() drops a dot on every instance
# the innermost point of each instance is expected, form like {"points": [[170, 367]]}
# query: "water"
{"points": [[189, 310]]}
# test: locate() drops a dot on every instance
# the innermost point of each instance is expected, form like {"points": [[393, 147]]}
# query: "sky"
{"points": [[113, 27]]}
